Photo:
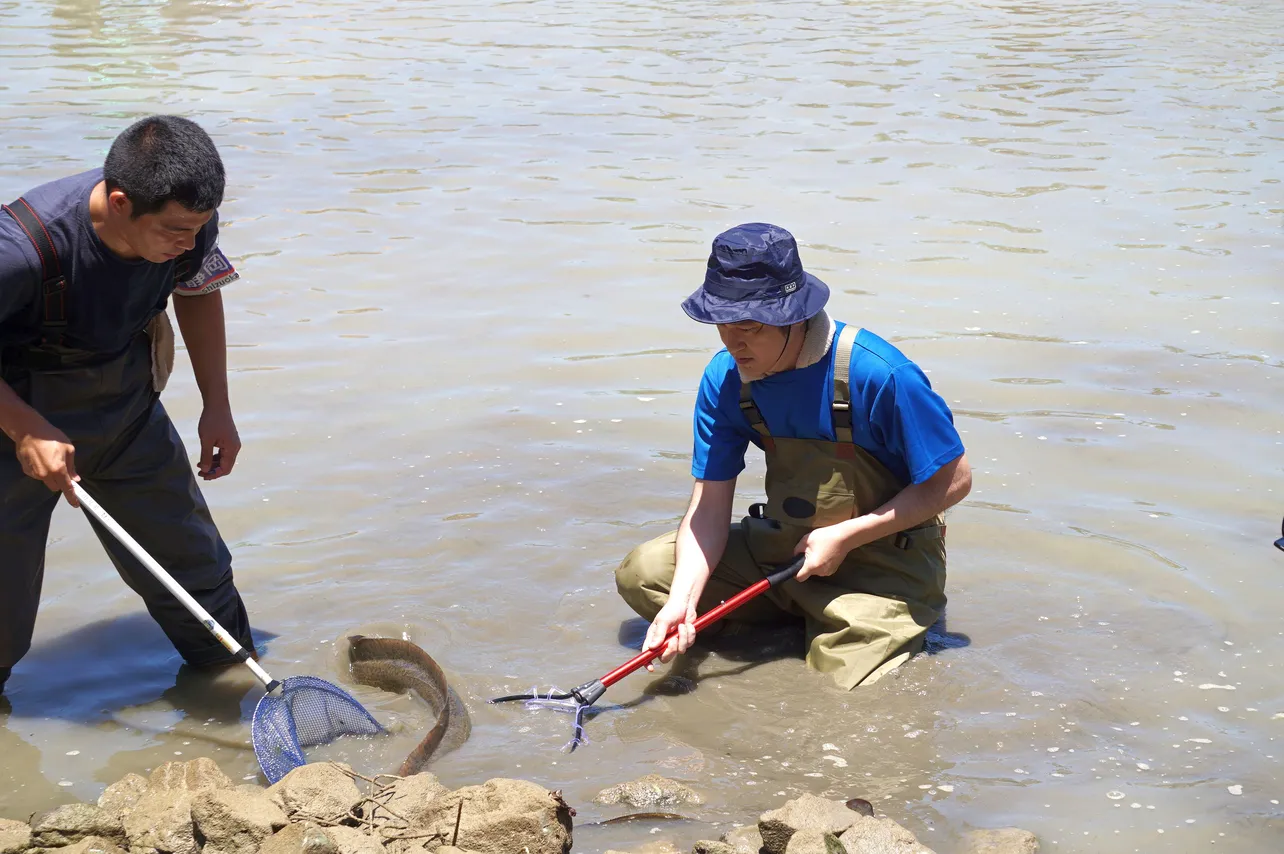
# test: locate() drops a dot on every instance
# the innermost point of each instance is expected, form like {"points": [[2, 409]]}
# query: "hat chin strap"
{"points": [[789, 331]]}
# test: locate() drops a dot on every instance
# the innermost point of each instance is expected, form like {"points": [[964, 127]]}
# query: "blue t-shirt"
{"points": [[896, 416], [108, 300]]}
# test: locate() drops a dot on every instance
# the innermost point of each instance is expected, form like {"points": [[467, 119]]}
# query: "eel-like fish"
{"points": [[397, 665]]}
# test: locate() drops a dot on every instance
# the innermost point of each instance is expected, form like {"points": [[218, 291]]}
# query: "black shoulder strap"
{"points": [[53, 283]]}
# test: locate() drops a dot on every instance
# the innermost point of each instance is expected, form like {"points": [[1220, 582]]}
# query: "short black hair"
{"points": [[165, 158]]}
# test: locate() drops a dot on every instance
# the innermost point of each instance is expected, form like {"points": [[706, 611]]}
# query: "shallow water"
{"points": [[464, 385]]}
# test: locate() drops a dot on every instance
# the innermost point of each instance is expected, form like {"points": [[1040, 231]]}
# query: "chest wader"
{"points": [[130, 458], [868, 617]]}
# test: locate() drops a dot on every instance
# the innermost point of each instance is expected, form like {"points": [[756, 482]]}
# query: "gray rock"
{"points": [[412, 799], [709, 846], [93, 845], [15, 836], [229, 821], [120, 797], [349, 840], [323, 790], [194, 776], [74, 822], [880, 835], [649, 791], [746, 840], [301, 838], [502, 816], [805, 813], [1004, 840], [162, 821], [814, 842]]}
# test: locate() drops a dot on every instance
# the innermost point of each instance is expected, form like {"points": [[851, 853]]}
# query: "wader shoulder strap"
{"points": [[53, 283], [842, 407], [754, 415]]}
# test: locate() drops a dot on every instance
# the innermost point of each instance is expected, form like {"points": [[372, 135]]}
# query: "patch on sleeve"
{"points": [[216, 271]]}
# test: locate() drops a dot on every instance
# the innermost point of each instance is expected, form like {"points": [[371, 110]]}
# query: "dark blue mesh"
{"points": [[308, 711]]}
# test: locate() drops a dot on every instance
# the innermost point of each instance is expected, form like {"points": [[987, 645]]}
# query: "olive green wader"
{"points": [[873, 613]]}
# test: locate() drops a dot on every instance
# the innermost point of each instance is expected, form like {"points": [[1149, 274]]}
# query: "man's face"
{"points": [[755, 346], [161, 236]]}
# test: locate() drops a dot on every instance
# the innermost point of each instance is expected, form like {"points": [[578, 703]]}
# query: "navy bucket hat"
{"points": [[754, 273]]}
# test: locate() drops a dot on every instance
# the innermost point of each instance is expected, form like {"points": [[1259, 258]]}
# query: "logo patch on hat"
{"points": [[788, 288]]}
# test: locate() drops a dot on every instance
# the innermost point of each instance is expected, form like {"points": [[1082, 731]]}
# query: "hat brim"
{"points": [[803, 304]]}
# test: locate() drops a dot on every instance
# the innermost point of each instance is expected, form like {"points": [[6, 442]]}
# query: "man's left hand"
{"points": [[219, 443], [825, 549]]}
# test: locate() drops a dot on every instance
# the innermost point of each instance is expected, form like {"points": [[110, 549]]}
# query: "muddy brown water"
{"points": [[464, 385]]}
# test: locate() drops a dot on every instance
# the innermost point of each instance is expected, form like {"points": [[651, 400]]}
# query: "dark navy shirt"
{"points": [[108, 300], [896, 416]]}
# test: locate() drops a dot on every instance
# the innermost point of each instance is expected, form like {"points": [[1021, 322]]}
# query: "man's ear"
{"points": [[118, 203]]}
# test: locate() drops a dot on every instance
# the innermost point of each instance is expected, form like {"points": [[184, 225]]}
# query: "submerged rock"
{"points": [[649, 791], [745, 840], [1004, 840]]}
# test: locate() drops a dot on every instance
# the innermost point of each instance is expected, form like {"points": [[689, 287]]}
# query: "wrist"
{"points": [[855, 532]]}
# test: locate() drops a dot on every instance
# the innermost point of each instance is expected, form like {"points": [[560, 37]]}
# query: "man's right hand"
{"points": [[673, 616], [47, 455]]}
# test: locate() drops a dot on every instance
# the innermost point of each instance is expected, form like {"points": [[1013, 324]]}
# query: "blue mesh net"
{"points": [[307, 711]]}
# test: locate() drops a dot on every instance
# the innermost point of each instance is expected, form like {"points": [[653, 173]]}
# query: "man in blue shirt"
{"points": [[862, 460], [87, 266]]}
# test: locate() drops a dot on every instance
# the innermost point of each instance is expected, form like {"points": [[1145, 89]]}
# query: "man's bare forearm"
{"points": [[913, 505], [702, 538], [17, 418], [200, 318]]}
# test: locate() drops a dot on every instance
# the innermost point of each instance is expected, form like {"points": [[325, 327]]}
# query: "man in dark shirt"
{"points": [[87, 266]]}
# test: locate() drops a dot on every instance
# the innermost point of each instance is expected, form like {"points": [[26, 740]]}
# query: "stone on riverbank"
{"points": [[161, 821], [123, 795], [196, 775], [234, 821], [73, 822], [302, 837], [412, 799], [325, 790], [498, 817], [805, 813], [91, 845], [814, 842], [880, 835], [15, 836]]}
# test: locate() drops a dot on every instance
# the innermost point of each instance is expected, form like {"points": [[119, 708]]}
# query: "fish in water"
{"points": [[391, 664]]}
